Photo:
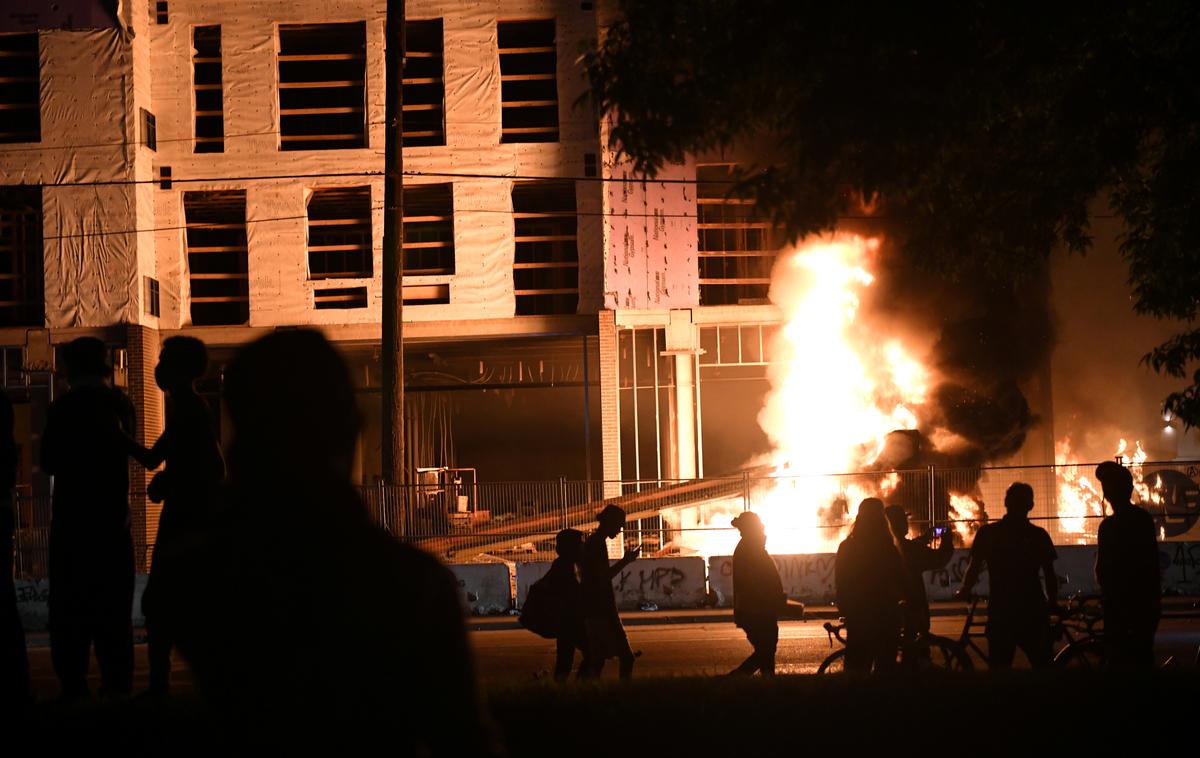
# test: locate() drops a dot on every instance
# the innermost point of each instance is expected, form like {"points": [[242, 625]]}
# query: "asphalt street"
{"points": [[507, 656]]}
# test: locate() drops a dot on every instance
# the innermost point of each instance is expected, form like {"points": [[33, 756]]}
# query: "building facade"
{"points": [[214, 168]]}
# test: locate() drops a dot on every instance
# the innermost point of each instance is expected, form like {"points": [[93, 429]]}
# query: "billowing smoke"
{"points": [[987, 341]]}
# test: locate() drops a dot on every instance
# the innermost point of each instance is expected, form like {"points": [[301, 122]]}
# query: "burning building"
{"points": [[214, 168]]}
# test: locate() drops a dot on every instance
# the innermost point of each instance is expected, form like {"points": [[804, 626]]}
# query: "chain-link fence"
{"points": [[469, 521]]}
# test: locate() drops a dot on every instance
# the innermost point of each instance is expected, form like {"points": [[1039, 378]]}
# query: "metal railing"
{"points": [[518, 520]]}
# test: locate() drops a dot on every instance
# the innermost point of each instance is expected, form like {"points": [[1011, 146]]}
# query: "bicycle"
{"points": [[944, 653], [1083, 644]]}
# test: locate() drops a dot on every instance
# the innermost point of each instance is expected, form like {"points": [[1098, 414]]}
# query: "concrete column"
{"points": [[685, 416], [610, 414], [683, 342]]}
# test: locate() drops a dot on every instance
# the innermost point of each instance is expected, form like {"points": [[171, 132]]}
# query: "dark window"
{"points": [[339, 233], [589, 164], [322, 91], [153, 306], [347, 297], [427, 294], [20, 100], [164, 177], [428, 230], [161, 15], [149, 130], [528, 81], [735, 253], [216, 250], [424, 90], [22, 300], [545, 261], [208, 88]]}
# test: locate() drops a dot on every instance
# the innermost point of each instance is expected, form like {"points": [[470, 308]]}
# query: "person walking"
{"points": [[758, 595], [869, 578], [1014, 551], [1128, 571], [186, 487], [91, 548], [918, 558], [605, 635], [562, 580]]}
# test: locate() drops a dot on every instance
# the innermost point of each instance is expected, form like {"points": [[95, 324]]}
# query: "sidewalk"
{"points": [[1172, 607]]}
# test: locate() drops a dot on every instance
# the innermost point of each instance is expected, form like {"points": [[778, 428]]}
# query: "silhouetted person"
{"points": [[91, 548], [563, 581], [605, 634], [1013, 551], [869, 579], [918, 558], [14, 663], [186, 487], [757, 595], [1128, 571], [302, 621]]}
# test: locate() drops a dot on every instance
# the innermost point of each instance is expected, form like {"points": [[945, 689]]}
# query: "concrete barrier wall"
{"points": [[663, 582], [33, 597], [485, 589], [809, 578]]}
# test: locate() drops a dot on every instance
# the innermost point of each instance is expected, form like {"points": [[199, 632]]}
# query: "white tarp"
{"points": [[280, 291]]}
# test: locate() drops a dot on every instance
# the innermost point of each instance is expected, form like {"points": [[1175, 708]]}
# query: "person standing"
{"points": [[757, 595], [1128, 571], [186, 487], [869, 580], [918, 558], [1014, 551], [14, 662], [605, 634], [91, 548]]}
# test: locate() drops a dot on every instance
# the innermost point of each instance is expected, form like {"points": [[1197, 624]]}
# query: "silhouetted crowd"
{"points": [[298, 616], [303, 623]]}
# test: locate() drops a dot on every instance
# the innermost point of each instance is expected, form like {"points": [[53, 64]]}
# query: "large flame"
{"points": [[1081, 503], [838, 389]]}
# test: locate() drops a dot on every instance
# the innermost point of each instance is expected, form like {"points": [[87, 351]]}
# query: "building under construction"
{"points": [[214, 168]]}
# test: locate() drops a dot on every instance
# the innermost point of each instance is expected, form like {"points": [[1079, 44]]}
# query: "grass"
{"points": [[1015, 713]]}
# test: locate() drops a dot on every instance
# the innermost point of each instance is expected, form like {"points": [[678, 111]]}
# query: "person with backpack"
{"points": [[563, 582]]}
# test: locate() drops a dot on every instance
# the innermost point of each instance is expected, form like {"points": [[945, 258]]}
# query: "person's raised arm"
{"points": [[630, 556]]}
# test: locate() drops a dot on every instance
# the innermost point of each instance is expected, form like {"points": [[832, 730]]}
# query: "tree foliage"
{"points": [[987, 129]]}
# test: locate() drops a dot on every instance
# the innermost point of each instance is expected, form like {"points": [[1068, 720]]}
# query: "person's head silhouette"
{"points": [[293, 410], [1018, 499], [1116, 481], [750, 526], [181, 362], [611, 520], [870, 524], [568, 543], [85, 359], [898, 520]]}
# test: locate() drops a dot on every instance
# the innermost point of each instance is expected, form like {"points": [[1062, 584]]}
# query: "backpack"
{"points": [[540, 613]]}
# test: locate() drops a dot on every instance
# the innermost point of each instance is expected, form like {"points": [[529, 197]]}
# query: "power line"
{"points": [[184, 227], [356, 174]]}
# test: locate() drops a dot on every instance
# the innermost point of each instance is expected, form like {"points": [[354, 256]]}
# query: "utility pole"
{"points": [[393, 251]]}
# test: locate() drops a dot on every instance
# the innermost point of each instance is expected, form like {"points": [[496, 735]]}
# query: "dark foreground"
{"points": [[1021, 712]]}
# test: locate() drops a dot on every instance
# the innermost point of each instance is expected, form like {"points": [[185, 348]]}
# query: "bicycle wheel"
{"points": [[834, 664], [947, 655], [1085, 654]]}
